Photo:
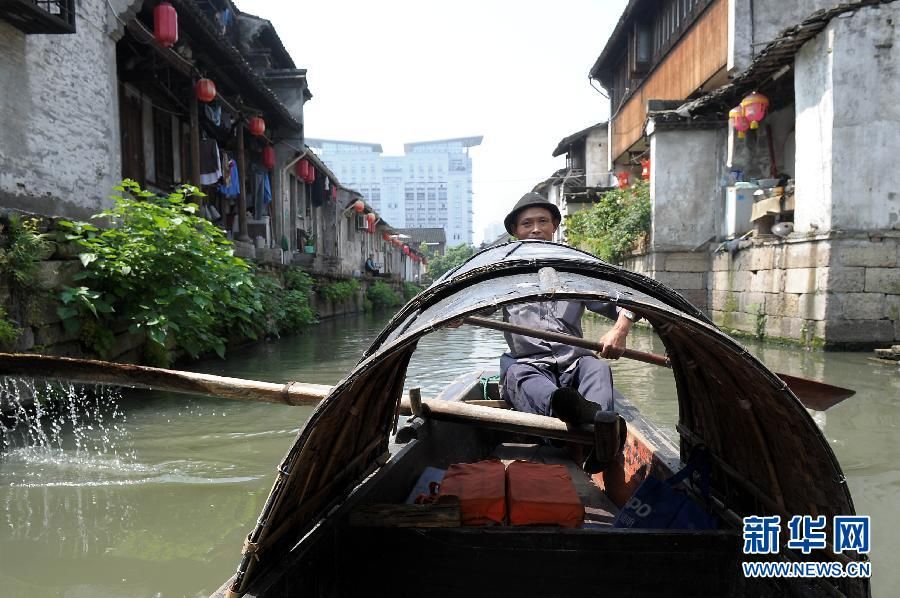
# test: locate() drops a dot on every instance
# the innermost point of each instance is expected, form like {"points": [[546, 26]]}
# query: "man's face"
{"points": [[535, 223]]}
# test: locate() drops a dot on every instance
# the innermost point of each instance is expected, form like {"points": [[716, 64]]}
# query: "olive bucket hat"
{"points": [[530, 200]]}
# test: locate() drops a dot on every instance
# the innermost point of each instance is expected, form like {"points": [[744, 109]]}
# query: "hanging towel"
{"points": [[232, 188]]}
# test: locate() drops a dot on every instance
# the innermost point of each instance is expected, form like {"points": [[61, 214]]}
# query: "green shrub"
{"points": [[339, 291], [166, 270], [382, 295], [9, 332], [450, 260], [410, 290], [297, 279], [21, 249], [613, 226], [285, 310]]}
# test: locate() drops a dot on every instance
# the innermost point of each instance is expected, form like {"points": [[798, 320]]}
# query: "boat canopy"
{"points": [[769, 456]]}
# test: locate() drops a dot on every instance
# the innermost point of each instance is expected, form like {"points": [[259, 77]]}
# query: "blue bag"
{"points": [[656, 504]]}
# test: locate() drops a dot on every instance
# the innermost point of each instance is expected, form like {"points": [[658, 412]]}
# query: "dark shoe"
{"points": [[570, 406]]}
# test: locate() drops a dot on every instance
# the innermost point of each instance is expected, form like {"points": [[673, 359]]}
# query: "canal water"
{"points": [[152, 494]]}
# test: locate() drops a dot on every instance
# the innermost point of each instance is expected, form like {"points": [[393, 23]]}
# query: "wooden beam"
{"points": [[242, 177]]}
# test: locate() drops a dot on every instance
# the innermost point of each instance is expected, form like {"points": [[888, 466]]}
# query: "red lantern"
{"points": [[755, 106], [623, 179], [333, 192], [739, 121], [301, 169], [370, 227], [268, 157], [406, 250], [205, 90], [385, 237], [312, 174], [645, 169], [371, 217], [256, 125], [359, 206], [165, 24]]}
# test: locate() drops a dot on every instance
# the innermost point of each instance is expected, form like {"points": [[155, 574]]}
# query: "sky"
{"points": [[515, 72]]}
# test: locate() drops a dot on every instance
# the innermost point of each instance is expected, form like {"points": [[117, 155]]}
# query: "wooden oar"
{"points": [[292, 393], [814, 395]]}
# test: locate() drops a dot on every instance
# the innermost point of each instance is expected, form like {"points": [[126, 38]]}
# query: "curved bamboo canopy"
{"points": [[760, 435]]}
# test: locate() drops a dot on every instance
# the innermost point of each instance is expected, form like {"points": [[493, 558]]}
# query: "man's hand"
{"points": [[614, 340]]}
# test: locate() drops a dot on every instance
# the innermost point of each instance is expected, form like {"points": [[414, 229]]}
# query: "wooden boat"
{"points": [[316, 535]]}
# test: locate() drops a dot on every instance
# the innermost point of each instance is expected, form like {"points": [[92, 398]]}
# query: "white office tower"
{"points": [[429, 186]]}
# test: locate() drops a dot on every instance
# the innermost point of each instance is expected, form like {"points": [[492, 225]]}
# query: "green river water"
{"points": [[153, 493]]}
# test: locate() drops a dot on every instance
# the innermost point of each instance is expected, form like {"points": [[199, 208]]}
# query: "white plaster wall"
{"points": [[848, 124], [59, 140], [684, 187], [596, 151]]}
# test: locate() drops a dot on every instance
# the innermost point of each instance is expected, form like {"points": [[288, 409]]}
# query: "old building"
{"points": [[585, 177], [210, 93], [818, 166]]}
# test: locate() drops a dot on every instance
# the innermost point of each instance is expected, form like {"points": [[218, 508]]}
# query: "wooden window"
{"points": [[132, 134], [162, 148]]}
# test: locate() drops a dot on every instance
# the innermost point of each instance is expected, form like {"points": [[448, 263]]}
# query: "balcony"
{"points": [[39, 16]]}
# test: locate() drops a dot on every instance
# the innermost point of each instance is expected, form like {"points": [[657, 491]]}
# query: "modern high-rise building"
{"points": [[429, 186]]}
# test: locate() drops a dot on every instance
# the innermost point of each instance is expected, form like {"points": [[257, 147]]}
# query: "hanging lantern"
{"points": [[406, 250], [755, 106], [359, 206], [645, 169], [165, 24], [385, 237], [622, 177], [739, 121], [312, 174], [371, 217], [370, 227], [205, 90], [301, 169], [395, 242], [268, 157], [256, 125], [333, 192]]}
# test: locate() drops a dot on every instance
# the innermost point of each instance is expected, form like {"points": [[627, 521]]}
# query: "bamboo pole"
{"points": [[292, 393]]}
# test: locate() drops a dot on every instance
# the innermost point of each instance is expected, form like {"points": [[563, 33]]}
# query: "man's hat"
{"points": [[530, 200]]}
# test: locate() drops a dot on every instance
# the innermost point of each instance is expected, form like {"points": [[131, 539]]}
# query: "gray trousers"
{"points": [[528, 386]]}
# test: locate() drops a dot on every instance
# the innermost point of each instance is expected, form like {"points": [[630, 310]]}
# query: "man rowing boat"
{"points": [[550, 378]]}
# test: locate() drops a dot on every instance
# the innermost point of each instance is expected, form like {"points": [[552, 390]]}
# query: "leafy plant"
{"points": [[297, 279], [381, 295], [454, 257], [9, 332], [339, 291], [410, 290], [311, 239], [613, 226], [21, 249], [165, 269], [286, 309]]}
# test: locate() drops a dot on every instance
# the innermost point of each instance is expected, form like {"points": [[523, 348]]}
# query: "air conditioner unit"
{"points": [[361, 222]]}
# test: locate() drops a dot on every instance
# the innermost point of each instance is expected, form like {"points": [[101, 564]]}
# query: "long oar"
{"points": [[292, 393], [813, 394]]}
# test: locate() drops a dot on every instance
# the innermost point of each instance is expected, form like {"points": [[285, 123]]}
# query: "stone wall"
{"points": [[833, 292], [685, 271], [59, 143]]}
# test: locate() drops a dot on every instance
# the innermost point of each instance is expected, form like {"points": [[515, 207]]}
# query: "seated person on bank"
{"points": [[550, 378], [371, 267]]}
